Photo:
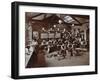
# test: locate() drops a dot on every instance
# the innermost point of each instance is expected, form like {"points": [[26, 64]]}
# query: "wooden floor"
{"points": [[44, 61], [68, 61]]}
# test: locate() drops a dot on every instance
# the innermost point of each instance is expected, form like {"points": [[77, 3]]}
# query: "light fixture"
{"points": [[54, 25], [60, 21], [43, 29], [58, 29], [64, 29], [73, 25]]}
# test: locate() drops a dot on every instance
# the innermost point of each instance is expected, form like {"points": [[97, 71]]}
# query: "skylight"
{"points": [[68, 19]]}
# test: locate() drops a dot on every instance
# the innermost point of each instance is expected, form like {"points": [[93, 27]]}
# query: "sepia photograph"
{"points": [[56, 40], [50, 40]]}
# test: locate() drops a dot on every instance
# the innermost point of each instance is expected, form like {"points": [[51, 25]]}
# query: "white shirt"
{"points": [[26, 50]]}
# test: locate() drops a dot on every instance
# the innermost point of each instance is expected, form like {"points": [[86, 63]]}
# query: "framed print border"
{"points": [[15, 70]]}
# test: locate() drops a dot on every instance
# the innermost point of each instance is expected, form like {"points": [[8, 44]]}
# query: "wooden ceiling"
{"points": [[52, 18], [39, 20]]}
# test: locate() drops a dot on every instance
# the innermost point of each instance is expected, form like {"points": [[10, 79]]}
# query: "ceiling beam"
{"points": [[81, 16], [40, 21], [75, 19], [37, 15]]}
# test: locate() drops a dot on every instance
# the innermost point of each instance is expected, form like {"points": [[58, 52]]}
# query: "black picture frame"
{"points": [[15, 39]]}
